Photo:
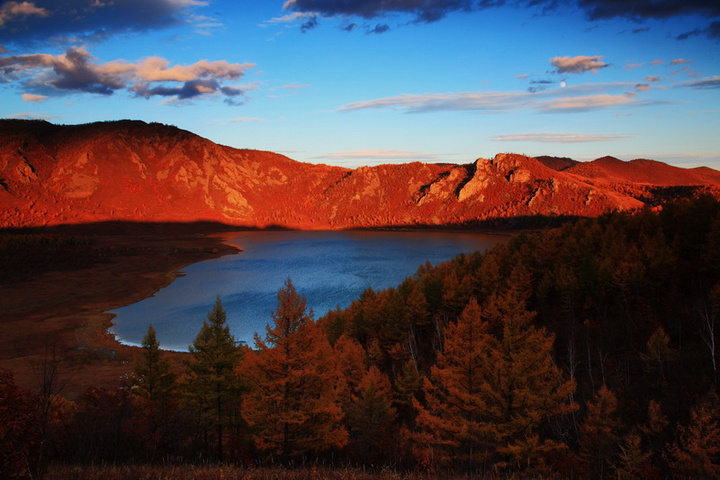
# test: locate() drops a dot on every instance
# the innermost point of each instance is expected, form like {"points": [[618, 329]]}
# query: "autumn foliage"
{"points": [[586, 351]]}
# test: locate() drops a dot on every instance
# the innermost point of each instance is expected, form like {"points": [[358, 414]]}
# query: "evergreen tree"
{"points": [[212, 385], [293, 406]]}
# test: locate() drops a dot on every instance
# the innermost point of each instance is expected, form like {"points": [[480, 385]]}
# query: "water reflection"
{"points": [[330, 268]]}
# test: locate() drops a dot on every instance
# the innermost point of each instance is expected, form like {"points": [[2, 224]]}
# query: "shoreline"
{"points": [[61, 317]]}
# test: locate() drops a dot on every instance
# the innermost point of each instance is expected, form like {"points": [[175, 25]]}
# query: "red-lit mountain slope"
{"points": [[135, 171]]}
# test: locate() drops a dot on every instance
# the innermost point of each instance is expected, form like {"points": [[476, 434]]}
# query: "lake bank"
{"points": [[62, 308], [61, 311]]}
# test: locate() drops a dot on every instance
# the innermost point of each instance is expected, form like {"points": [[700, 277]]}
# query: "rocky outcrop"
{"points": [[150, 172]]}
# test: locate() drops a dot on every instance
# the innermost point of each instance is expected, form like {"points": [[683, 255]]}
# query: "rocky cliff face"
{"points": [[134, 171]]}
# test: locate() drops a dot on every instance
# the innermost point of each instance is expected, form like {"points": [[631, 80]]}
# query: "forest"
{"points": [[584, 351]]}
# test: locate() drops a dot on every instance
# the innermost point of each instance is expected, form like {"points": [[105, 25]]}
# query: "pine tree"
{"points": [[293, 406], [212, 385]]}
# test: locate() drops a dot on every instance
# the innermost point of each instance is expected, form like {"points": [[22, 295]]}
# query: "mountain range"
{"points": [[134, 171]]}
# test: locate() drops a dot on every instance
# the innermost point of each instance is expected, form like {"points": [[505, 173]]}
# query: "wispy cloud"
{"points": [[29, 97], [33, 116], [76, 71], [579, 98], [704, 83], [679, 61], [376, 155], [289, 18], [559, 137], [246, 119], [579, 64]]}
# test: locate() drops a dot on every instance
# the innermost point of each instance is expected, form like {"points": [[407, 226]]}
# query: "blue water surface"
{"points": [[329, 268]]}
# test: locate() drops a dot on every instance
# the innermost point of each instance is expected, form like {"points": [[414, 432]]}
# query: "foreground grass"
{"points": [[215, 472]]}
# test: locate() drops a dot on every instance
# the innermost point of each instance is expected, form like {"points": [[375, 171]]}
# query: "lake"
{"points": [[329, 268]]}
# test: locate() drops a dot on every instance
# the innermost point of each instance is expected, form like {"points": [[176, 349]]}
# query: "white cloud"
{"points": [[704, 83], [559, 137], [32, 116], [289, 18], [577, 98], [378, 154], [246, 119]]}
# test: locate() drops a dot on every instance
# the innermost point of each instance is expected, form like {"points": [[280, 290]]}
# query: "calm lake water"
{"points": [[329, 268]]}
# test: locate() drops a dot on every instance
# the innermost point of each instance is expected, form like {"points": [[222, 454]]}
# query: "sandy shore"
{"points": [[62, 312]]}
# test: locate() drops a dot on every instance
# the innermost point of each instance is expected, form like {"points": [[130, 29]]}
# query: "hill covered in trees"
{"points": [[587, 351]]}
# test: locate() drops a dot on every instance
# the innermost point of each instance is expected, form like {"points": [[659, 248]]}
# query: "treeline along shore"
{"points": [[586, 351]]}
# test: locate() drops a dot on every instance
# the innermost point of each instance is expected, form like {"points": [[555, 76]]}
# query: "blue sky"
{"points": [[362, 82]]}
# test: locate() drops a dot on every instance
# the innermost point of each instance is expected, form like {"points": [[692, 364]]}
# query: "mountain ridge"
{"points": [[134, 171]]}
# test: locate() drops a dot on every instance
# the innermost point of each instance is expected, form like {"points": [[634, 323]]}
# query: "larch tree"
{"points": [[154, 384], [212, 385], [371, 417], [19, 433], [153, 376], [696, 454], [522, 388], [599, 437], [293, 406], [452, 426]]}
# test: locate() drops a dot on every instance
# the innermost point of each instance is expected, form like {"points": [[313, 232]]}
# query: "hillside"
{"points": [[134, 171]]}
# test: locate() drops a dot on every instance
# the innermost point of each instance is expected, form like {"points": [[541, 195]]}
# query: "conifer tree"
{"points": [[293, 406], [696, 454], [212, 385], [371, 416], [154, 384], [153, 376], [599, 433], [522, 386], [452, 423]]}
